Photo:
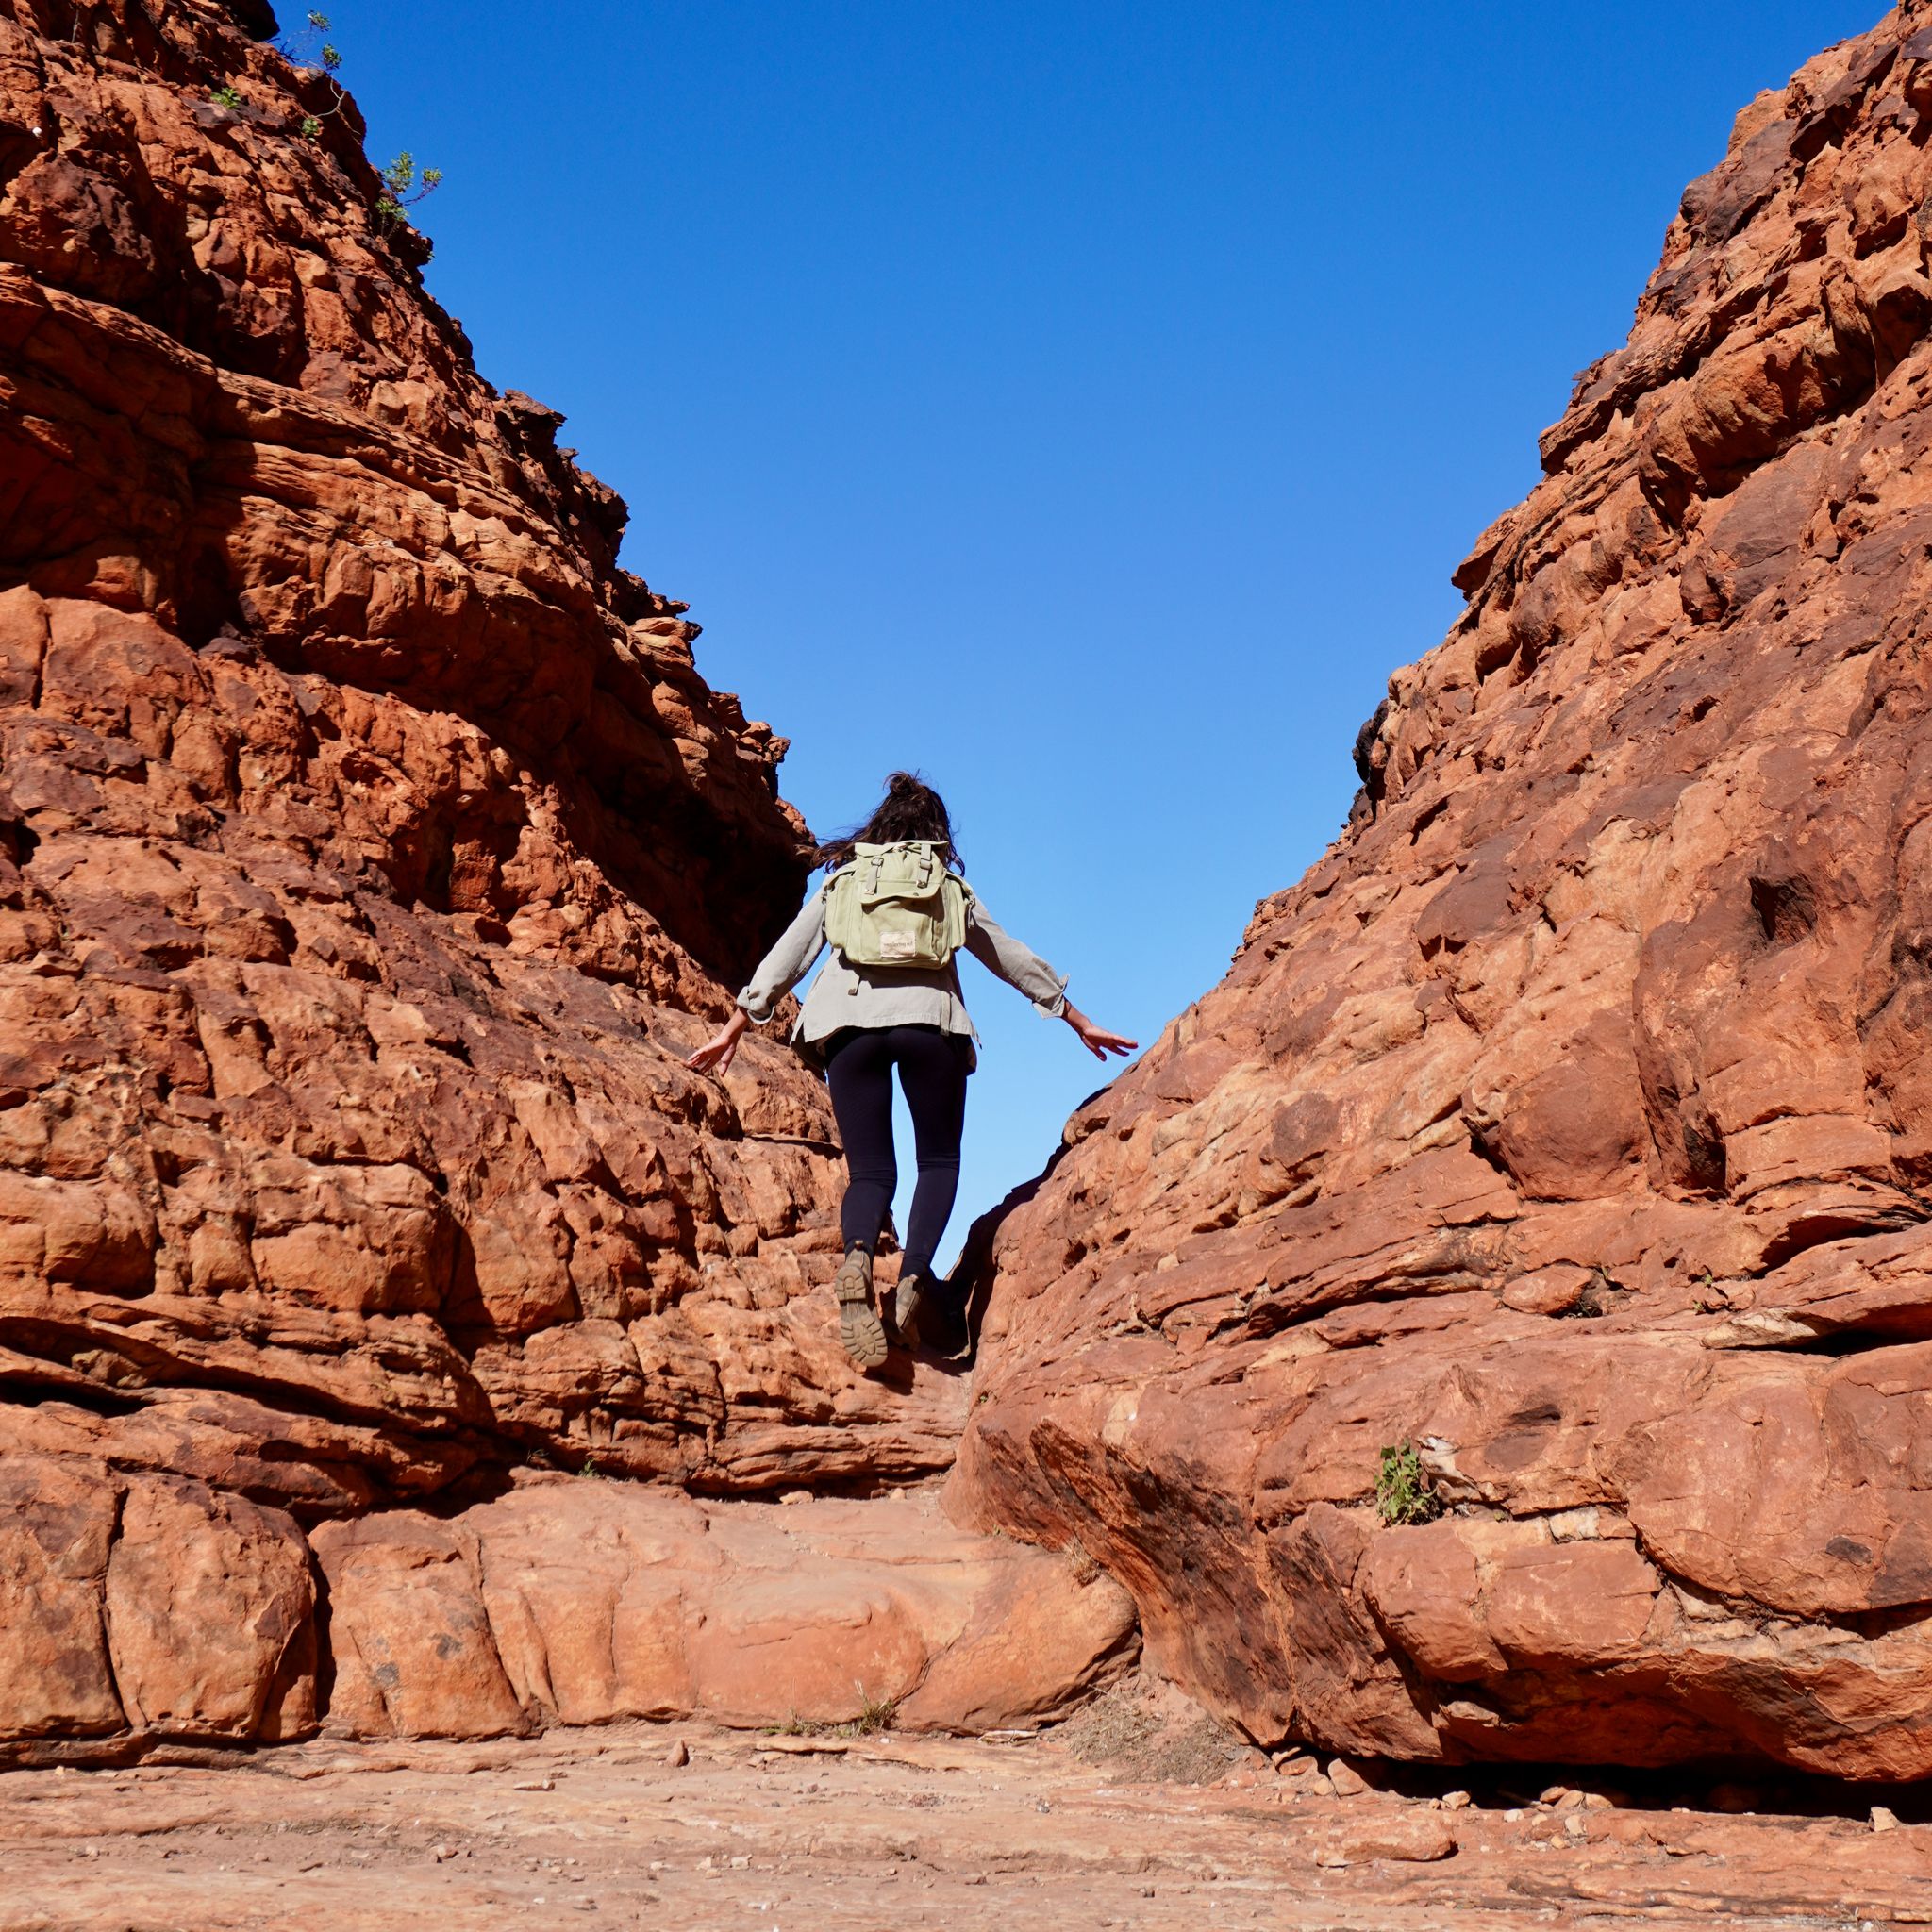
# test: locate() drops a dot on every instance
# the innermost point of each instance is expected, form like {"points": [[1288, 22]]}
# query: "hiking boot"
{"points": [[859, 1328], [908, 1303]]}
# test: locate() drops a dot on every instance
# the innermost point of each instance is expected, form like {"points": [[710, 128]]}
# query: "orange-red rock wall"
{"points": [[1571, 1122], [370, 853]]}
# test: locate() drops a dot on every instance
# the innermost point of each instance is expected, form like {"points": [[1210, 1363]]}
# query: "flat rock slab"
{"points": [[573, 1601], [599, 1827]]}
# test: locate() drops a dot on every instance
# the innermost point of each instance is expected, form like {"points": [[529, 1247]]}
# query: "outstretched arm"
{"points": [[1020, 966], [779, 972]]}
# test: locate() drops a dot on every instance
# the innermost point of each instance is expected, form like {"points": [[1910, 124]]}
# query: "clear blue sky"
{"points": [[1085, 403]]}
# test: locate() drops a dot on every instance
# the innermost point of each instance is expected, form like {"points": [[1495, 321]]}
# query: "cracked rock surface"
{"points": [[371, 854]]}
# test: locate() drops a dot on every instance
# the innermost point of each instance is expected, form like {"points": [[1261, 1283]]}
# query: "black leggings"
{"points": [[932, 1065]]}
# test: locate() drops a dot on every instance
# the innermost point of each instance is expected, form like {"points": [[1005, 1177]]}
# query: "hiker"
{"points": [[896, 910]]}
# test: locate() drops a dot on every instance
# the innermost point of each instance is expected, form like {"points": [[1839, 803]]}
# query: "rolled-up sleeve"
{"points": [[789, 960], [1018, 964]]}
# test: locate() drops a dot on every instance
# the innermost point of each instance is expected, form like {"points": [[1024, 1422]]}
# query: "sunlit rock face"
{"points": [[370, 853], [1571, 1122]]}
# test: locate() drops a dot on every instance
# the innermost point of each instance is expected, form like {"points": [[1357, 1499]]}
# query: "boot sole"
{"points": [[863, 1334]]}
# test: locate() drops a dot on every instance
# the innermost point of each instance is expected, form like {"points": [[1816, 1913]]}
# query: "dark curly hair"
{"points": [[910, 810]]}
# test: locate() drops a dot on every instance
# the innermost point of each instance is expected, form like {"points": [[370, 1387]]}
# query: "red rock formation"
{"points": [[370, 852], [584, 1603], [1572, 1119]]}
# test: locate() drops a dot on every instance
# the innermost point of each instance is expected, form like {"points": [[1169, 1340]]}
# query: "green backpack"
{"points": [[896, 906]]}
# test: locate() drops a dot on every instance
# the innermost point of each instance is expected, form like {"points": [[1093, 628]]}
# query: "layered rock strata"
{"points": [[188, 1614], [370, 852], [1568, 1129]]}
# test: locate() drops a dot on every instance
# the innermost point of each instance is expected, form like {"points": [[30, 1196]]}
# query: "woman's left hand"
{"points": [[1096, 1040]]}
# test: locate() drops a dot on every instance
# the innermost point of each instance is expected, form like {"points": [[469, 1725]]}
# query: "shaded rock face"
{"points": [[370, 853], [1571, 1120]]}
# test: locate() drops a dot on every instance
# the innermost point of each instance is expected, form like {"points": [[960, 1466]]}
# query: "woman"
{"points": [[860, 1021]]}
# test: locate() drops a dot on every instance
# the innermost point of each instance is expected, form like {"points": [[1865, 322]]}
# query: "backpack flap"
{"points": [[896, 906]]}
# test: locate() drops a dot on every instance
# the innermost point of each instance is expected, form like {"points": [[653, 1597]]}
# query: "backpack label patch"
{"points": [[897, 945]]}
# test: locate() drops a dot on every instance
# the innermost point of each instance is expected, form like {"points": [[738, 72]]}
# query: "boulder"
{"points": [[581, 1602], [145, 1609]]}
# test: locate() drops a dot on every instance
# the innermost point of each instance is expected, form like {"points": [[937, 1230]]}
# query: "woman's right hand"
{"points": [[715, 1056]]}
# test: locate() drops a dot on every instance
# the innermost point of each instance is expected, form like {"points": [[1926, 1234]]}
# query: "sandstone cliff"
{"points": [[1571, 1123], [370, 852]]}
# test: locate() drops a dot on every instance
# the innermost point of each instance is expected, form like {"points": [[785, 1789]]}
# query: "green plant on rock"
{"points": [[229, 95], [403, 187], [402, 184], [310, 55], [1402, 1494], [308, 48]]}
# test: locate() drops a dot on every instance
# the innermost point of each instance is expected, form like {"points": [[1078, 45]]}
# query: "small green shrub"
{"points": [[402, 184], [403, 187], [308, 48], [1403, 1493], [229, 97]]}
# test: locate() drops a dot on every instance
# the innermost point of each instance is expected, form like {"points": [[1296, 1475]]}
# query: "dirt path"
{"points": [[793, 1835]]}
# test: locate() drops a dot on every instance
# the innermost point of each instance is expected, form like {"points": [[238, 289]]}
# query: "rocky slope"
{"points": [[370, 852], [1571, 1122]]}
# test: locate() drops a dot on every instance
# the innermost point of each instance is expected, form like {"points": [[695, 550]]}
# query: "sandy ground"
{"points": [[792, 1833]]}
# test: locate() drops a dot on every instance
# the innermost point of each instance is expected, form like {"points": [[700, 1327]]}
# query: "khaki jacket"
{"points": [[844, 995]]}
